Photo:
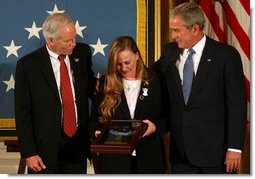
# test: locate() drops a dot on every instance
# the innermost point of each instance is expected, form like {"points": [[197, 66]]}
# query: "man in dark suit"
{"points": [[207, 130], [39, 108]]}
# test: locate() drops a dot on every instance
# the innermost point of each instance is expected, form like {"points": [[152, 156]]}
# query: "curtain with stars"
{"points": [[97, 22]]}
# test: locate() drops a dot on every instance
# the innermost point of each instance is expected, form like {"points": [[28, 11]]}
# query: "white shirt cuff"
{"points": [[234, 150]]}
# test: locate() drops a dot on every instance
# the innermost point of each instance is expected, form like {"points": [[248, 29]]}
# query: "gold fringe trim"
{"points": [[157, 24], [141, 29], [7, 123]]}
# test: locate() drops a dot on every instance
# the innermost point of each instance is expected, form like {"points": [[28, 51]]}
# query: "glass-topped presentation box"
{"points": [[119, 137]]}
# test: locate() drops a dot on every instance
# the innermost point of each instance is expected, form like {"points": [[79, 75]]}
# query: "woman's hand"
{"points": [[150, 129], [97, 133]]}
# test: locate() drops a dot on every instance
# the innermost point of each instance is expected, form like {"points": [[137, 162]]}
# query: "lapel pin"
{"points": [[209, 60], [76, 59], [145, 91], [141, 97]]}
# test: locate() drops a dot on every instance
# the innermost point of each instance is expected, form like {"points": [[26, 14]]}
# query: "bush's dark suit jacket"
{"points": [[38, 106], [150, 151], [215, 115]]}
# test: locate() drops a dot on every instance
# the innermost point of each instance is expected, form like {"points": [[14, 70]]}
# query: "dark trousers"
{"points": [[71, 157], [134, 169], [185, 167], [65, 167], [116, 164]]}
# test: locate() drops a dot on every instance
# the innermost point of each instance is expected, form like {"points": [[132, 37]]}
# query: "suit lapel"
{"points": [[177, 80], [170, 68], [139, 104], [47, 71], [140, 100], [73, 63], [205, 65], [204, 68], [124, 107]]}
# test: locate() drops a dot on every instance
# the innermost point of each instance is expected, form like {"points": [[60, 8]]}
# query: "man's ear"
{"points": [[195, 29], [50, 41]]}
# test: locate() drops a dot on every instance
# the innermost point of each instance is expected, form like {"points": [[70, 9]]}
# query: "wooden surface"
{"points": [[13, 146]]}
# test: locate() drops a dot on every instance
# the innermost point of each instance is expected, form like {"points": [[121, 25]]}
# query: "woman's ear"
{"points": [[137, 57]]}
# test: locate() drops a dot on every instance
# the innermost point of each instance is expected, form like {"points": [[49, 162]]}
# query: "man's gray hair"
{"points": [[54, 23], [191, 14]]}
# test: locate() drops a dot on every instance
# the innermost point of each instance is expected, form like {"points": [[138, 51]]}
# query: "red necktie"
{"points": [[69, 117]]}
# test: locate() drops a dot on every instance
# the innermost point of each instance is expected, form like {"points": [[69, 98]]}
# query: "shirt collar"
{"points": [[198, 48], [51, 53]]}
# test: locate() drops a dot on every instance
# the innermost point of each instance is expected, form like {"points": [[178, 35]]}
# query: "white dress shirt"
{"points": [[198, 48], [132, 90], [55, 63]]}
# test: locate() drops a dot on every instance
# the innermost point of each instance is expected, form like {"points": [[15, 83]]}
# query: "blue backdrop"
{"points": [[98, 22]]}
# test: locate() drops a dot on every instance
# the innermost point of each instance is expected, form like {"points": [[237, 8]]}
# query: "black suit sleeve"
{"points": [[164, 124], [23, 108], [236, 99], [95, 112]]}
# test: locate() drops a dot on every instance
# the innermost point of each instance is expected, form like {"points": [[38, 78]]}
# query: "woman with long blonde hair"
{"points": [[127, 91]]}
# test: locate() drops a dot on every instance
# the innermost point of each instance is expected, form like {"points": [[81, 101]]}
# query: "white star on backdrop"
{"points": [[12, 49], [79, 28], [33, 31], [99, 47], [55, 10], [10, 84]]}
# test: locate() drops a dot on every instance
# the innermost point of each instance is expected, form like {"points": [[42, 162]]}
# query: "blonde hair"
{"points": [[113, 80]]}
